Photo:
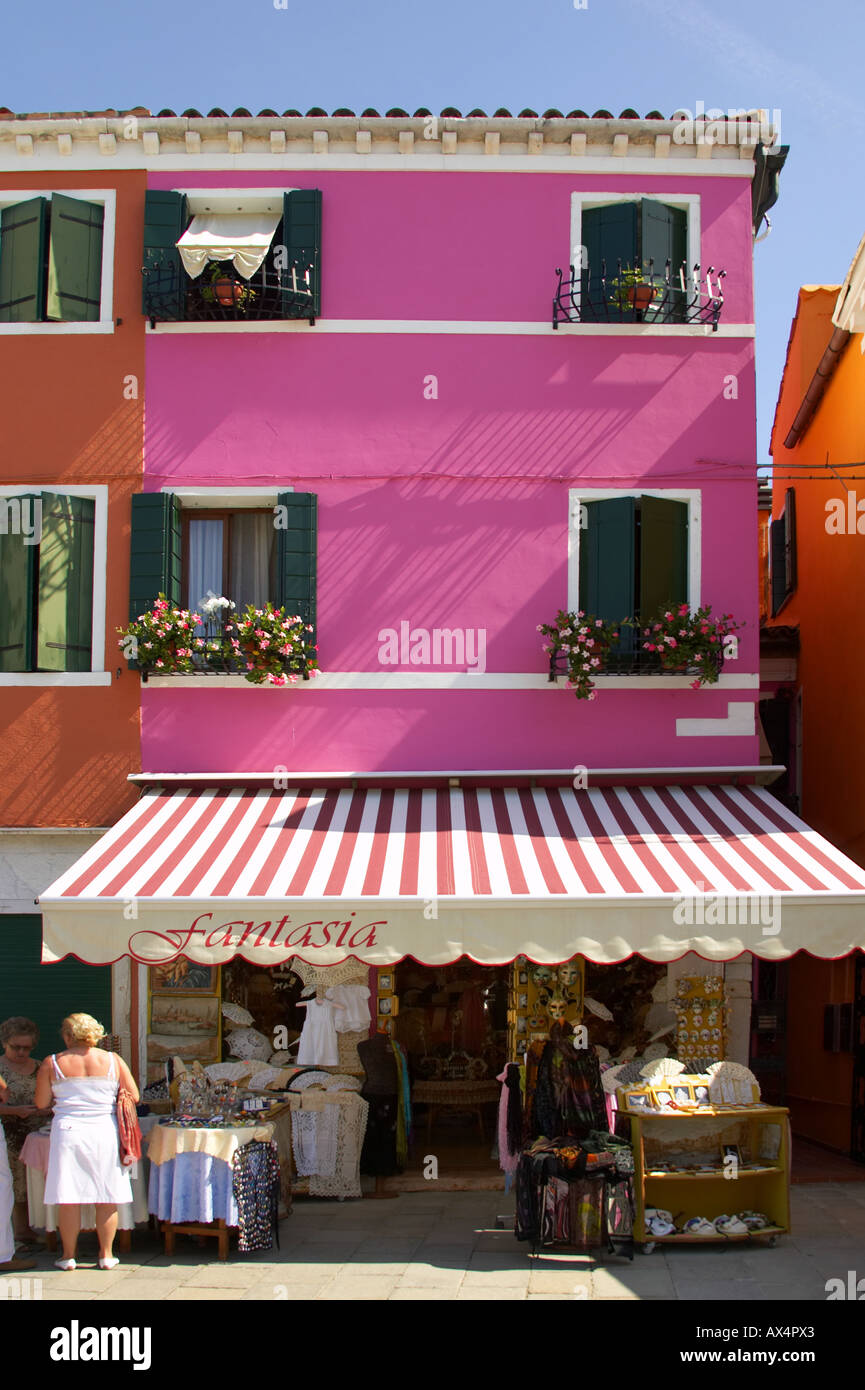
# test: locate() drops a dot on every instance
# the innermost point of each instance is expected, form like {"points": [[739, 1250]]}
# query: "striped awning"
{"points": [[438, 873]]}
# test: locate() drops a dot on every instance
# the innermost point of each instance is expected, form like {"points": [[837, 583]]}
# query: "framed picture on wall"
{"points": [[385, 984], [184, 977]]}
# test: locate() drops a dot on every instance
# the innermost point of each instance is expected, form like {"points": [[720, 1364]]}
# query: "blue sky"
{"points": [[801, 58]]}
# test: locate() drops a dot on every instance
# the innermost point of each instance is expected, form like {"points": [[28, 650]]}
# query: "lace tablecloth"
{"points": [[191, 1171], [329, 1153]]}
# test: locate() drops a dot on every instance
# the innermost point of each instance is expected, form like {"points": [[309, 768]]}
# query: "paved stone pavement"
{"points": [[446, 1246]]}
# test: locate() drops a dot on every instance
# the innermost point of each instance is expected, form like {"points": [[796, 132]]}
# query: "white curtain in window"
{"points": [[205, 560], [253, 558], [241, 237]]}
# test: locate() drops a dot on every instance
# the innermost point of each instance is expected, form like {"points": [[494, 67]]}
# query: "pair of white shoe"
{"points": [[105, 1262]]}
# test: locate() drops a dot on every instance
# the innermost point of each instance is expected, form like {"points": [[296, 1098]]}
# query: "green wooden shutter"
{"points": [[664, 237], [22, 262], [166, 218], [17, 588], [47, 993], [75, 260], [778, 561], [609, 235], [64, 630], [155, 560], [663, 547], [607, 563], [790, 574], [301, 227], [297, 554]]}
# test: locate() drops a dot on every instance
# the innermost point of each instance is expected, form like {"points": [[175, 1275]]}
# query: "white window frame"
{"points": [[692, 496], [225, 200], [226, 498], [107, 197], [690, 202], [97, 675]]}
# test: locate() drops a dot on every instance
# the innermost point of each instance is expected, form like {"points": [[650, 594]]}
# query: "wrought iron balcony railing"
{"points": [[625, 295], [623, 662], [220, 658], [286, 293]]}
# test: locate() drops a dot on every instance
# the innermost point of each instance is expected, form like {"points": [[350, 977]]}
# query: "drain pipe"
{"points": [[819, 381]]}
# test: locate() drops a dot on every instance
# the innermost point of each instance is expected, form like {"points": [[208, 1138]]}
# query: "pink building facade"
{"points": [[451, 435]]}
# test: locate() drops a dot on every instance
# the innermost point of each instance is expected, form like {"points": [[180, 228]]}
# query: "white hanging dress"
{"points": [[84, 1156], [319, 1045]]}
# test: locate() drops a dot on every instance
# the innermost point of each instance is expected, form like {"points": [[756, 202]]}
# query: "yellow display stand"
{"points": [[730, 1185]]}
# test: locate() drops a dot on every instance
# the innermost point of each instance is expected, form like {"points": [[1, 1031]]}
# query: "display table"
{"points": [[191, 1179], [456, 1096], [34, 1155]]}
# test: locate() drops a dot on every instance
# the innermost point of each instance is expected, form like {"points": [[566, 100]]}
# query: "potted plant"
{"points": [[584, 640], [272, 647], [691, 641], [220, 288], [631, 290], [162, 640]]}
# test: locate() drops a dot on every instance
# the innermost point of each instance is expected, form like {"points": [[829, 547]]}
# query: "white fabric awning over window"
{"points": [[241, 237]]}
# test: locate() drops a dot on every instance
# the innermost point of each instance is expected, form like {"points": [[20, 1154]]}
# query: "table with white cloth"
{"points": [[34, 1155], [192, 1178]]}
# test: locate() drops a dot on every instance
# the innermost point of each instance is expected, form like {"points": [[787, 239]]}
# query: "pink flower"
{"points": [[668, 616], [671, 641], [695, 685], [160, 663], [683, 608], [593, 694], [599, 622], [148, 645], [596, 661]]}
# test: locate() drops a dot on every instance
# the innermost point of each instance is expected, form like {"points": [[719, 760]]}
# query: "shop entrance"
{"points": [[452, 1022]]}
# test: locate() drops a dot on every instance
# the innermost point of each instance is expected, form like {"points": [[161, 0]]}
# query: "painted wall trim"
{"points": [[739, 723], [447, 680], [541, 328], [44, 678]]}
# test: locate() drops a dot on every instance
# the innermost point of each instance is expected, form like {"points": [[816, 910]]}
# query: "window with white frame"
{"points": [[637, 258], [632, 555], [52, 577], [56, 260]]}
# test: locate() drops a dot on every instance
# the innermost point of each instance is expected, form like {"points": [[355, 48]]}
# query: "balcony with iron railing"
{"points": [[622, 294], [221, 295]]}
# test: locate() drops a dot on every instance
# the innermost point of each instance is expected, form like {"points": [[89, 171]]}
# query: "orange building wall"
{"points": [[827, 606], [65, 752]]}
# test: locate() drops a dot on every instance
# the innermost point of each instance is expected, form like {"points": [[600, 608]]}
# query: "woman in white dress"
{"points": [[84, 1159]]}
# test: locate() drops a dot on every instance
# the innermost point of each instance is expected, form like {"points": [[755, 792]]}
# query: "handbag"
{"points": [[128, 1128]]}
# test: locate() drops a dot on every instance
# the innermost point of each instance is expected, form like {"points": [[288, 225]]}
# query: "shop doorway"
{"points": [[452, 1022]]}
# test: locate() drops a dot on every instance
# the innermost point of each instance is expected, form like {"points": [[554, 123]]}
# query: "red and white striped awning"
{"points": [[438, 873]]}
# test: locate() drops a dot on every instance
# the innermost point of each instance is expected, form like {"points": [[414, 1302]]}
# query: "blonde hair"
{"points": [[82, 1028]]}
